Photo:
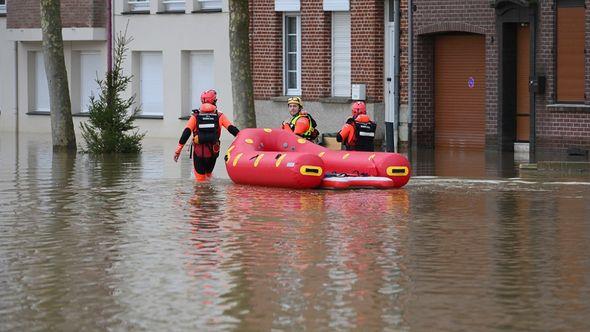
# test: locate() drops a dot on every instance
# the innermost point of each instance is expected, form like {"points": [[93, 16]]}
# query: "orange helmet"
{"points": [[209, 97], [358, 108]]}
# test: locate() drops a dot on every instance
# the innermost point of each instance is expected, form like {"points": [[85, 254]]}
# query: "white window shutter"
{"points": [[341, 64], [41, 87], [287, 5], [202, 75], [336, 5], [151, 87], [90, 70]]}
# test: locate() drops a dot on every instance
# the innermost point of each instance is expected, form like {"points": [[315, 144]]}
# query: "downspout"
{"points": [[16, 125], [396, 83], [109, 35], [410, 75], [533, 83]]}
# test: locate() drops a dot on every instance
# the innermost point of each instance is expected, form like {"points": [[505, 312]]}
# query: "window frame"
{"points": [[568, 4], [287, 91], [3, 8], [34, 85], [210, 4], [174, 5], [81, 72], [141, 99], [138, 5]]}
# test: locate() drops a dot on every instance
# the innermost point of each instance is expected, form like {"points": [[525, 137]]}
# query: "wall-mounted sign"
{"points": [[471, 82]]}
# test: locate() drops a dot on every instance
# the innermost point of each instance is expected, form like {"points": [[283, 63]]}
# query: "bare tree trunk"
{"points": [[241, 74], [62, 126]]}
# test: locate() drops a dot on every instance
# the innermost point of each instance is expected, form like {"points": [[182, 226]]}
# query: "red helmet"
{"points": [[209, 97], [358, 108]]}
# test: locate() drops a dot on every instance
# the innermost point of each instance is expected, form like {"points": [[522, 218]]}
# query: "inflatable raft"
{"points": [[279, 158]]}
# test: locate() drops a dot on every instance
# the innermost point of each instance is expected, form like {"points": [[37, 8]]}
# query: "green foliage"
{"points": [[107, 129]]}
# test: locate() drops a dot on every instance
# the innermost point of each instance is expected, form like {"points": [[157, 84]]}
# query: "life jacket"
{"points": [[311, 133], [364, 135], [207, 131]]}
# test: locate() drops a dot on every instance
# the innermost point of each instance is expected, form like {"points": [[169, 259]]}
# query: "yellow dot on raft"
{"points": [[301, 140], [249, 141], [268, 130], [346, 156]]}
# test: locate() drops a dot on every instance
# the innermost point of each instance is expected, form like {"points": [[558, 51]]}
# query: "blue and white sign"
{"points": [[471, 82]]}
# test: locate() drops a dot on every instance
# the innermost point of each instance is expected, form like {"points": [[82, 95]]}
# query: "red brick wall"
{"points": [[367, 20], [367, 43], [316, 39], [556, 127], [559, 128], [434, 17], [266, 49], [24, 14]]}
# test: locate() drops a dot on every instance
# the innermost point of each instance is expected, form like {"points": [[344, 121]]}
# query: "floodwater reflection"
{"points": [[131, 243]]}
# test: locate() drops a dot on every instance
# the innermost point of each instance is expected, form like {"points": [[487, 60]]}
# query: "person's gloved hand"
{"points": [[177, 152]]}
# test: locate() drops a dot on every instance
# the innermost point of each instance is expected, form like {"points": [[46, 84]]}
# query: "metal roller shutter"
{"points": [[459, 91]]}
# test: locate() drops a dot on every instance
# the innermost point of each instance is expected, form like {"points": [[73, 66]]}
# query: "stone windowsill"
{"points": [[214, 10], [149, 117], [81, 114], [172, 12], [38, 113], [2, 14], [186, 117], [326, 100], [568, 108], [137, 12]]}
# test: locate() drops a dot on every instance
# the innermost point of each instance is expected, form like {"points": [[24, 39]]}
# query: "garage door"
{"points": [[459, 91]]}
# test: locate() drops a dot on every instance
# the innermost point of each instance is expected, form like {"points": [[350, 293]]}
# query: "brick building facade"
{"points": [[508, 30], [368, 62], [24, 14]]}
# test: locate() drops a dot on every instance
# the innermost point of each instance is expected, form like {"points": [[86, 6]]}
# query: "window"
{"points": [[90, 70], [139, 5], [40, 89], [2, 6], [341, 54], [201, 76], [570, 51], [150, 83], [209, 4], [292, 55], [174, 5]]}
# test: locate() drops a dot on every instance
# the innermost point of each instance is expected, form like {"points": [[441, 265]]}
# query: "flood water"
{"points": [[132, 243]]}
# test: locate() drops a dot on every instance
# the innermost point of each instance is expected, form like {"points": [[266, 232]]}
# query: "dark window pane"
{"points": [[292, 80]]}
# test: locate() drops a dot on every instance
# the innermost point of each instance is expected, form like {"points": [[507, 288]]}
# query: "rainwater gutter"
{"points": [[396, 75], [410, 74], [16, 122], [110, 35]]}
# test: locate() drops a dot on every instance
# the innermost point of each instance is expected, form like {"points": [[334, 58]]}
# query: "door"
{"points": [[459, 91]]}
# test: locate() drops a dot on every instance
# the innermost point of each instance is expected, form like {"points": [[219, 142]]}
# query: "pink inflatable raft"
{"points": [[279, 158]]}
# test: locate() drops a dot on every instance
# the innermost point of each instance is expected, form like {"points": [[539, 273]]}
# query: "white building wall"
{"points": [[7, 98], [175, 35]]}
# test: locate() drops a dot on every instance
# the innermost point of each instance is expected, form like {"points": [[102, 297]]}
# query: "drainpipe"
{"points": [[16, 124], [396, 84], [410, 74], [392, 116], [533, 83], [110, 35]]}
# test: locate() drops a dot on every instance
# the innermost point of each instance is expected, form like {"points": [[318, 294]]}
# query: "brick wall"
{"points": [[266, 49], [435, 17], [559, 128], [367, 44], [25, 14], [556, 127]]}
